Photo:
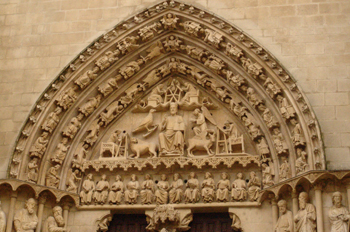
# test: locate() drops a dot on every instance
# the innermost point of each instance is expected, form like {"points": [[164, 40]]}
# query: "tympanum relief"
{"points": [[198, 94]]}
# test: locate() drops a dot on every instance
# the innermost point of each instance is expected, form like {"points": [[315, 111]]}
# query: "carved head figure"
{"points": [[276, 131], [147, 176], [224, 175], [89, 176], [176, 176], [30, 205], [196, 112], [173, 108], [104, 177], [239, 175], [208, 175], [133, 177], [118, 178], [293, 121], [284, 159], [44, 135], [57, 214], [336, 199], [279, 98], [282, 205], [303, 200], [192, 175], [252, 175], [163, 177]]}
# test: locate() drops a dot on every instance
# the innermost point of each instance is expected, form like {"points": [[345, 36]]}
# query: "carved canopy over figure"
{"points": [[285, 221], [56, 222], [338, 214], [25, 220], [176, 192], [305, 219], [88, 189], [171, 139], [117, 191]]}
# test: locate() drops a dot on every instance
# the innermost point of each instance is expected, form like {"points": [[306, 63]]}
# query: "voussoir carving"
{"points": [[173, 106]]}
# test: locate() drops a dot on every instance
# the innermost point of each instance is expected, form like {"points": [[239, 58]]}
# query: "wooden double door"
{"points": [[202, 222]]}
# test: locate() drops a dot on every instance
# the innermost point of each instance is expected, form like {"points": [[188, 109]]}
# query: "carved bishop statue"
{"points": [[285, 221], [305, 219]]}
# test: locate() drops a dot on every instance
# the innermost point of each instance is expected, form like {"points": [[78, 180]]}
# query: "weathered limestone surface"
{"points": [[38, 38]]}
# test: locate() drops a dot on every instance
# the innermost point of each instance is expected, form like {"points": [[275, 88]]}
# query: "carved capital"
{"points": [[14, 194], [319, 185], [166, 217], [103, 223], [295, 193], [42, 198], [273, 199], [236, 221], [346, 182]]}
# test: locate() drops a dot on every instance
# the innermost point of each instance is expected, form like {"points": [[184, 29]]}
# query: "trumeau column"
{"points": [[11, 211], [274, 209], [65, 213], [295, 201], [42, 200], [347, 184], [319, 207]]}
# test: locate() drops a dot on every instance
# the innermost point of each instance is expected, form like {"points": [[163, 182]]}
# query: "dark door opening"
{"points": [[128, 223], [211, 222]]}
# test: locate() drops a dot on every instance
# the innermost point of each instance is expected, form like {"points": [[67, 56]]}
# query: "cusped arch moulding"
{"points": [[171, 42]]}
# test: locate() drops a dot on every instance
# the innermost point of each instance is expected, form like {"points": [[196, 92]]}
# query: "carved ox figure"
{"points": [[140, 147], [201, 144]]}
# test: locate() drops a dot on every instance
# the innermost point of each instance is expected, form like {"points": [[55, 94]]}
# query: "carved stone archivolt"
{"points": [[174, 87]]}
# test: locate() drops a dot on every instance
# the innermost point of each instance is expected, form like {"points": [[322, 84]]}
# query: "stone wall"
{"points": [[309, 37]]}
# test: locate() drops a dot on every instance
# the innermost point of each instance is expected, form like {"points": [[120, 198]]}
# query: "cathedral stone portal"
{"points": [[174, 120]]}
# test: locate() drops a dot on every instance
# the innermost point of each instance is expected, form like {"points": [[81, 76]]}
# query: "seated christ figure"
{"points": [[171, 139]]}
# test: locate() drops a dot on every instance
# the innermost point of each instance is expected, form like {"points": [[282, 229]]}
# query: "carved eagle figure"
{"points": [[147, 124]]}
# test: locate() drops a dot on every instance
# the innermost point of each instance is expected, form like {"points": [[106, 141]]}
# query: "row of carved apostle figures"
{"points": [[163, 192], [305, 220]]}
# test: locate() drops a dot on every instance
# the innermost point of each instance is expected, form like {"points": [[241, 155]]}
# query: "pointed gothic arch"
{"points": [[238, 74]]}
